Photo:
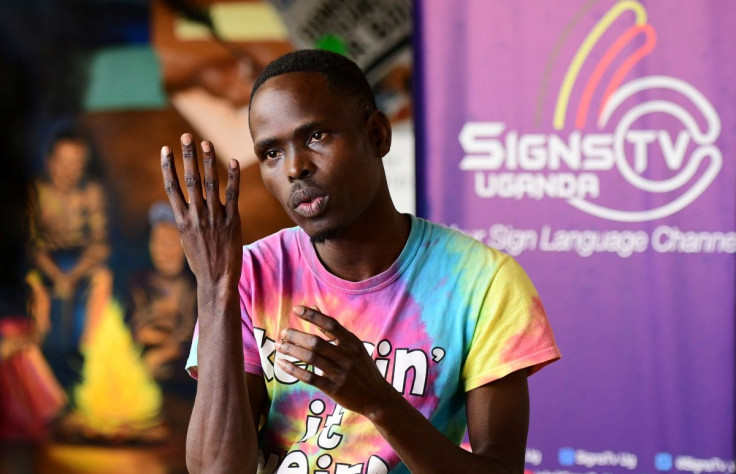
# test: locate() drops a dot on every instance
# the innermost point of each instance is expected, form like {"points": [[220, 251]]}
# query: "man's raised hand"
{"points": [[222, 435], [210, 231]]}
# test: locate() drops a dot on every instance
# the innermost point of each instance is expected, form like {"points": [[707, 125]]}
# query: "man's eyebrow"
{"points": [[298, 131], [308, 127], [265, 143]]}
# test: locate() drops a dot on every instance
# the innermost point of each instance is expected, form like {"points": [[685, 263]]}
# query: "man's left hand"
{"points": [[349, 374]]}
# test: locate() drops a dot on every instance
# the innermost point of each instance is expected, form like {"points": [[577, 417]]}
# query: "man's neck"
{"points": [[363, 251]]}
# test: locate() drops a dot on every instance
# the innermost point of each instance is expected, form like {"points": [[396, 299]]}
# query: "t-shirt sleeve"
{"points": [[251, 357], [512, 331]]}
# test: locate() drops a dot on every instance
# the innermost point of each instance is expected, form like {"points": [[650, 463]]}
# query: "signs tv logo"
{"points": [[678, 162]]}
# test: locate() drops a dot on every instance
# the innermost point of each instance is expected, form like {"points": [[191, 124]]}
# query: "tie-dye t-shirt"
{"points": [[448, 316]]}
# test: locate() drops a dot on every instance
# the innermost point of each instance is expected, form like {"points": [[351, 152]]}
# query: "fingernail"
{"points": [[206, 146], [165, 151], [234, 164], [298, 310], [186, 139]]}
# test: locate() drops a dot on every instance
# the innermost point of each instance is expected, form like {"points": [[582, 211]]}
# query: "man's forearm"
{"points": [[421, 446], [221, 436]]}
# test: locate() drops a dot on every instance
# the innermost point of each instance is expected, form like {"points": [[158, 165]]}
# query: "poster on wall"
{"points": [[97, 358], [593, 142]]}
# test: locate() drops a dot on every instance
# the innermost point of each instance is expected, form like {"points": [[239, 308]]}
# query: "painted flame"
{"points": [[117, 392]]}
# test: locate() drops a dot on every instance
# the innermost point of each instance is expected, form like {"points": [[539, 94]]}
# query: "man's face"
{"points": [[316, 153], [67, 163]]}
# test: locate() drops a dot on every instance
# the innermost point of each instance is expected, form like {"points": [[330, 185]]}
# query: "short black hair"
{"points": [[343, 75]]}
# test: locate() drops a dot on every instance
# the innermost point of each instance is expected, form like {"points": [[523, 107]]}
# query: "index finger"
{"points": [[171, 182], [327, 324]]}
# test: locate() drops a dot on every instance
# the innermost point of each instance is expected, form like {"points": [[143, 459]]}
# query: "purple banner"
{"points": [[596, 142]]}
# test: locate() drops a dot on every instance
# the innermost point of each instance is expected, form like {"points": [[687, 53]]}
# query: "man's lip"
{"points": [[312, 208], [308, 201], [305, 195]]}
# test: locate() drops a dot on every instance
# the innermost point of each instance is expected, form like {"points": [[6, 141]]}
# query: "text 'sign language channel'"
{"points": [[624, 243]]}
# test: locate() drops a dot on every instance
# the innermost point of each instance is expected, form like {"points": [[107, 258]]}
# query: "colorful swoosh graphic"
{"points": [[591, 40]]}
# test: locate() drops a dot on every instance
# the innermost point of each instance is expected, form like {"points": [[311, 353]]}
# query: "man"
{"points": [[365, 335]]}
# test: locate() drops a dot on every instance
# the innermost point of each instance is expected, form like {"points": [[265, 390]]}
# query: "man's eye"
{"points": [[271, 154], [316, 136]]}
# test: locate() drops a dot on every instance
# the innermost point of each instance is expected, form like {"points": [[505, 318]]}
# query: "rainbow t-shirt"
{"points": [[448, 316]]}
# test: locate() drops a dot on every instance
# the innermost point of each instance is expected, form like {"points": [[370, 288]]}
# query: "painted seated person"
{"points": [[162, 299], [69, 250]]}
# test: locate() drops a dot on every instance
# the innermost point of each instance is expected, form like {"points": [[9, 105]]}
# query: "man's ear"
{"points": [[379, 128]]}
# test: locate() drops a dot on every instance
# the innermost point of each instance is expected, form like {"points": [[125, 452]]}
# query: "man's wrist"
{"points": [[386, 407], [218, 303], [217, 293]]}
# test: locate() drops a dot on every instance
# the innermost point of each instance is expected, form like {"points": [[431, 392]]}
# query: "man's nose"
{"points": [[299, 164]]}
